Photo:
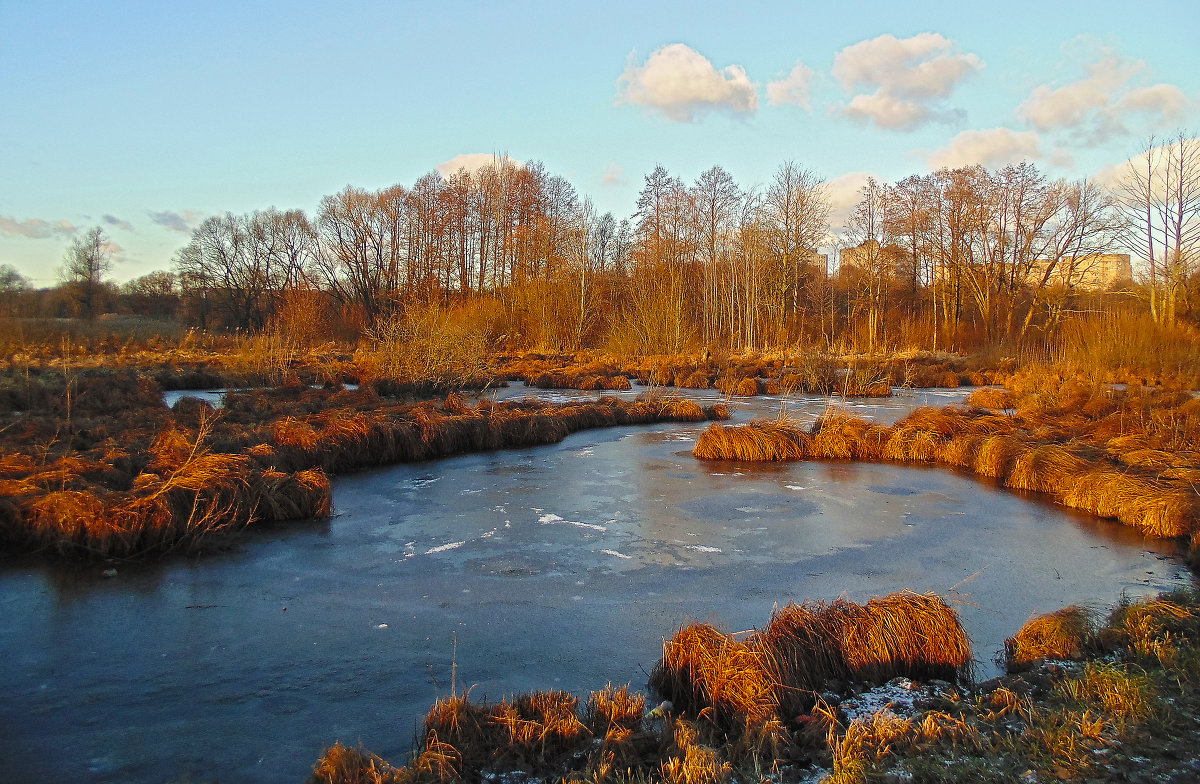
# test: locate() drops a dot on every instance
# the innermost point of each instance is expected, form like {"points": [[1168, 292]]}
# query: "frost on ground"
{"points": [[898, 697]]}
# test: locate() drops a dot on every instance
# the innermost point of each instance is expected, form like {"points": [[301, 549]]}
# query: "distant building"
{"points": [[1093, 272], [819, 260]]}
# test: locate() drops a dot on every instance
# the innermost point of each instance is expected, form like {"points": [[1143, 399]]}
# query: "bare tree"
{"points": [[796, 217], [872, 268], [87, 261], [718, 203], [1158, 200]]}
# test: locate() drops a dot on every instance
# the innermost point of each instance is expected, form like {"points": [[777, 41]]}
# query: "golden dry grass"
{"points": [[1068, 633], [708, 674], [990, 397], [900, 634], [776, 673], [346, 765], [759, 440], [1135, 458]]}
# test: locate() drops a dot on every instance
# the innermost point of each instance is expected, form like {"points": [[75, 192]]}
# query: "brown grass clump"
{"points": [[692, 762], [803, 655], [345, 765], [1155, 508], [614, 707], [776, 674], [837, 436], [1151, 627], [993, 398], [1068, 633], [759, 440], [996, 456], [1046, 468], [538, 726], [708, 674], [700, 379], [746, 387], [900, 634]]}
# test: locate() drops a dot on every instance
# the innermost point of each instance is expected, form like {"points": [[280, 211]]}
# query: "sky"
{"points": [[144, 118]]}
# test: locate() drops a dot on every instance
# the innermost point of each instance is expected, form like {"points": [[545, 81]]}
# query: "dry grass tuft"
{"points": [[760, 440], [1047, 468], [904, 633], [776, 674], [345, 765], [1068, 633], [708, 674], [989, 397]]}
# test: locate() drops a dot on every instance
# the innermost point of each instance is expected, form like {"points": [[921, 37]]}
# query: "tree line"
{"points": [[948, 259]]}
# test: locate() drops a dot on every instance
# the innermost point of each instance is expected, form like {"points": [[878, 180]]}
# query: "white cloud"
{"points": [[992, 148], [843, 195], [1109, 177], [473, 162], [911, 77], [1098, 106], [683, 85], [887, 111], [614, 176], [184, 221], [36, 228], [793, 89]]}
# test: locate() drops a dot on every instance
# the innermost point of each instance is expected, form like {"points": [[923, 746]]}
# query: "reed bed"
{"points": [[776, 673], [97, 466], [1134, 705], [1128, 455], [1052, 721], [760, 440]]}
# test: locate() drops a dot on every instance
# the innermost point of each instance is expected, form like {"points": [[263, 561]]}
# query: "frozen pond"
{"points": [[560, 566]]}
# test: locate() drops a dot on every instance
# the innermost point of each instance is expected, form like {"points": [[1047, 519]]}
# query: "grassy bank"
{"points": [[1130, 454], [841, 693], [93, 463]]}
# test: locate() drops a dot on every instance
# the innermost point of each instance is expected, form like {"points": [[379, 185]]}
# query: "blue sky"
{"points": [[144, 118]]}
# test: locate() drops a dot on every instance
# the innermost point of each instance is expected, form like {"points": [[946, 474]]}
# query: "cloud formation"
{"points": [[183, 222], [1167, 149], [993, 148], [615, 175], [36, 228], [794, 89], [114, 221], [843, 195], [911, 77], [682, 85], [1097, 106], [472, 162]]}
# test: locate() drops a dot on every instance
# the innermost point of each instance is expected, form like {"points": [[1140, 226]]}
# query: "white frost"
{"points": [[444, 547], [553, 519]]}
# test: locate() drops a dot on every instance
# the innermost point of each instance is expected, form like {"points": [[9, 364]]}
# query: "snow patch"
{"points": [[898, 697], [553, 519], [703, 548], [444, 547], [615, 554]]}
